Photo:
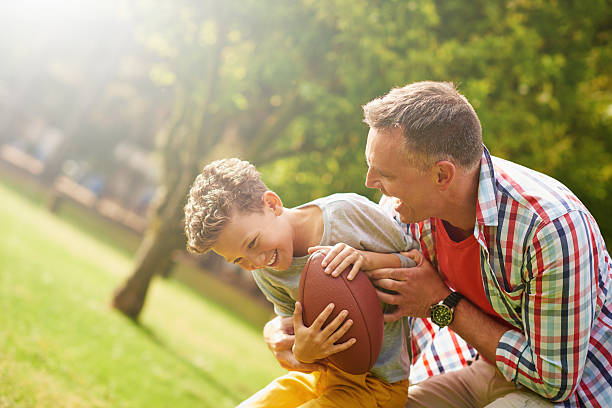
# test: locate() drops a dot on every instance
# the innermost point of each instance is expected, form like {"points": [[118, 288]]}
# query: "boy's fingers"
{"points": [[337, 271], [322, 317], [354, 271], [341, 331], [349, 256], [415, 255], [297, 316], [331, 256], [334, 324], [341, 261], [342, 346]]}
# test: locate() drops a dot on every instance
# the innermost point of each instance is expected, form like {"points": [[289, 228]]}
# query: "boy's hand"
{"points": [[278, 335], [415, 255], [339, 257], [314, 343]]}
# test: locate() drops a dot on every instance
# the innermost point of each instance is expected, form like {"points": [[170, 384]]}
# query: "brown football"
{"points": [[359, 298]]}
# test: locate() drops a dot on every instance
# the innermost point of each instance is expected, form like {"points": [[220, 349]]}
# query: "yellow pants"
{"points": [[330, 388]]}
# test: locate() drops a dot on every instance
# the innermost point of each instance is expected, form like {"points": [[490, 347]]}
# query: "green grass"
{"points": [[61, 345]]}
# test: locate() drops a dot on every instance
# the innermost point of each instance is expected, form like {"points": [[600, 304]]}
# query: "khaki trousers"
{"points": [[477, 385]]}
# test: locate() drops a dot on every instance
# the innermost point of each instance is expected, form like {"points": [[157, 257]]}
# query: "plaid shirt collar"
{"points": [[486, 207]]}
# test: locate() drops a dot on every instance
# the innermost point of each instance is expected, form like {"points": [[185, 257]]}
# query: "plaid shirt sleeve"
{"points": [[559, 302], [436, 350]]}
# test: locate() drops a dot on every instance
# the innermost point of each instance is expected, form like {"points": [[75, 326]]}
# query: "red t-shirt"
{"points": [[459, 264]]}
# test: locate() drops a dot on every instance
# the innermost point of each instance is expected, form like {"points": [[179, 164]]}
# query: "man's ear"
{"points": [[443, 174], [272, 201]]}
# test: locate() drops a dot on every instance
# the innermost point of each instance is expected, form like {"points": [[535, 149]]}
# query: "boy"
{"points": [[231, 211]]}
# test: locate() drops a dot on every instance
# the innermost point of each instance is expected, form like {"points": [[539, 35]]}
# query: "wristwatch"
{"points": [[443, 313]]}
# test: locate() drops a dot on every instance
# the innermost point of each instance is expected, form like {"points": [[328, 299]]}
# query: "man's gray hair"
{"points": [[438, 123]]}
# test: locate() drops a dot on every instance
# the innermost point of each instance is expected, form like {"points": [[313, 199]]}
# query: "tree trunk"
{"points": [[154, 256], [179, 145]]}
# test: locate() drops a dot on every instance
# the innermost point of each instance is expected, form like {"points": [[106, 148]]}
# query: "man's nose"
{"points": [[370, 180]]}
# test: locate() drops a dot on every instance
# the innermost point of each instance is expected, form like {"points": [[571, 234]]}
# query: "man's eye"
{"points": [[252, 243]]}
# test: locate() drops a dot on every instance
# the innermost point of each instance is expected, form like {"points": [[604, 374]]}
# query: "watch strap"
{"points": [[452, 299]]}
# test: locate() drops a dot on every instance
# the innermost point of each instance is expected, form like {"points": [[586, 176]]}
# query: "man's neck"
{"points": [[454, 233], [460, 205]]}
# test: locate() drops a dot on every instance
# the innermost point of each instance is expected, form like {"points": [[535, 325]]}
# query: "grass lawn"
{"points": [[61, 345]]}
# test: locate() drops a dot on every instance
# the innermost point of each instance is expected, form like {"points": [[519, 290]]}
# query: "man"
{"points": [[523, 274]]}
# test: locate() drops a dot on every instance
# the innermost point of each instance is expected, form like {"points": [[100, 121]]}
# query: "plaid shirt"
{"points": [[436, 350], [546, 271]]}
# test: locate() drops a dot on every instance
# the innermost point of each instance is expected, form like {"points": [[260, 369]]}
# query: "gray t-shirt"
{"points": [[360, 223]]}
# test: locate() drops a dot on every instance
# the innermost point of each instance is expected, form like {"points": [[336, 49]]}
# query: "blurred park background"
{"points": [[109, 108]]}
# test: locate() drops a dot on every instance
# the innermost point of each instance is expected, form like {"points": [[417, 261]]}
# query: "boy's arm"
{"points": [[341, 256]]}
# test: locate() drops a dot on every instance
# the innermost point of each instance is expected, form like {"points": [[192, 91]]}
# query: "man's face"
{"points": [[256, 240], [391, 173]]}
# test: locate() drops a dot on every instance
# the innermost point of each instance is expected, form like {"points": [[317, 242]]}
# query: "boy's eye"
{"points": [[237, 260], [252, 243]]}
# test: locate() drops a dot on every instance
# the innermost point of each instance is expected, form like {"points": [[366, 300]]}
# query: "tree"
{"points": [[236, 91], [283, 89]]}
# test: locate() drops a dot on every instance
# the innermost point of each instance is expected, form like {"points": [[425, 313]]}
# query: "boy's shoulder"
{"points": [[343, 199], [349, 207]]}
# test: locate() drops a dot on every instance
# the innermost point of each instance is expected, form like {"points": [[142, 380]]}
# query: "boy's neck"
{"points": [[307, 224]]}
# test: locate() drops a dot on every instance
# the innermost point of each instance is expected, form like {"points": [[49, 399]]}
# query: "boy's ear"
{"points": [[443, 174], [272, 201]]}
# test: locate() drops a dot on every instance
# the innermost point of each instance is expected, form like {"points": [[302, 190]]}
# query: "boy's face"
{"points": [[258, 240]]}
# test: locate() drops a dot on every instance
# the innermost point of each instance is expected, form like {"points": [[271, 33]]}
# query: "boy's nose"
{"points": [[257, 260]]}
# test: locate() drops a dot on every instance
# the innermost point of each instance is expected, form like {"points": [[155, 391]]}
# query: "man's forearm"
{"points": [[478, 329]]}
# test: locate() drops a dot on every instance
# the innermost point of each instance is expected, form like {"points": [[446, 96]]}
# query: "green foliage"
{"points": [[281, 83], [536, 72], [62, 345]]}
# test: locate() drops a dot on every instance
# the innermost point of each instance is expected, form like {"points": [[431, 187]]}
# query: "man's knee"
{"points": [[521, 399]]}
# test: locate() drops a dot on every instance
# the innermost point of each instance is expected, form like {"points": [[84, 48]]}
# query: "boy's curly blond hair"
{"points": [[223, 186]]}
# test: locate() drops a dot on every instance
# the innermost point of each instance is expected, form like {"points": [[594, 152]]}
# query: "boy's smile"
{"points": [[273, 260], [257, 240]]}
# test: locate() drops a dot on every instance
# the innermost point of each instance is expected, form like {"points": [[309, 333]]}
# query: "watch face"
{"points": [[441, 315]]}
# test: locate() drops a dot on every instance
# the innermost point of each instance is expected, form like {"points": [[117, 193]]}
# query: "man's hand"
{"points": [[416, 289], [278, 335], [315, 342]]}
